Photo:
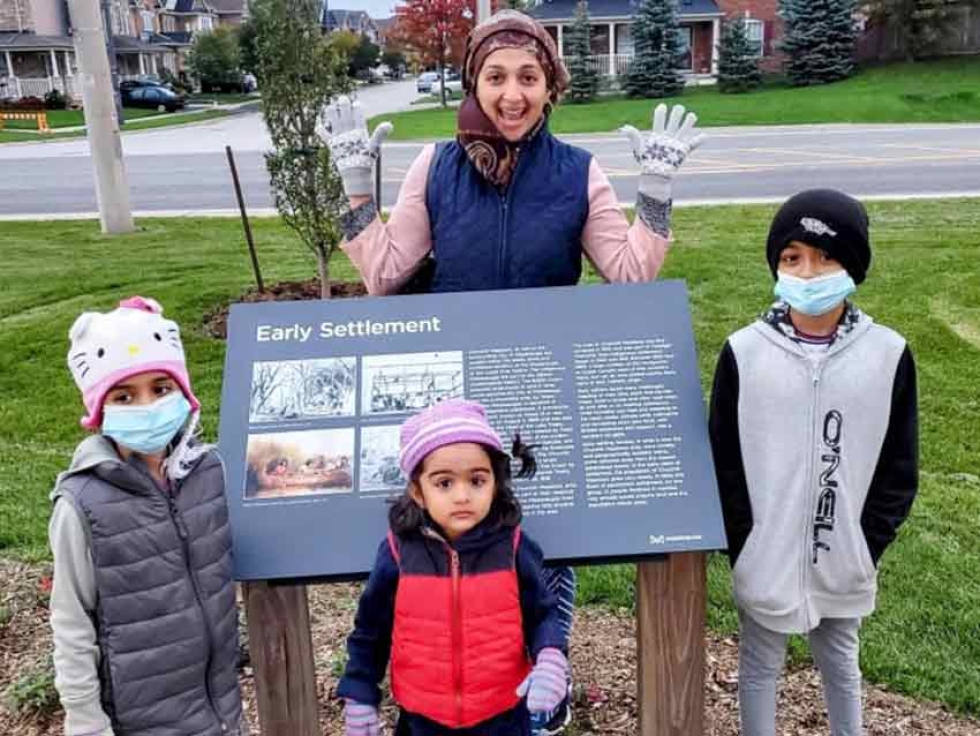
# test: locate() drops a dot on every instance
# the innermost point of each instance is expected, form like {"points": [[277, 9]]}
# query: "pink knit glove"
{"points": [[547, 685], [361, 720]]}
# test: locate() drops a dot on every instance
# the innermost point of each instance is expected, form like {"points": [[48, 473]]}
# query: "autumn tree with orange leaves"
{"points": [[436, 30]]}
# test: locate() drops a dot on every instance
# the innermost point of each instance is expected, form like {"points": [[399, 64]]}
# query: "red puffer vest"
{"points": [[458, 651]]}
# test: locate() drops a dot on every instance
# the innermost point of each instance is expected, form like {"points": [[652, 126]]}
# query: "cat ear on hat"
{"points": [[142, 302], [81, 325]]}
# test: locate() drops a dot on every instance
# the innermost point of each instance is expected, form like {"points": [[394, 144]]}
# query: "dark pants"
{"points": [[512, 723]]}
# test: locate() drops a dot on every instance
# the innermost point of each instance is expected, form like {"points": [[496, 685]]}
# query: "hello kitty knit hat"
{"points": [[132, 339]]}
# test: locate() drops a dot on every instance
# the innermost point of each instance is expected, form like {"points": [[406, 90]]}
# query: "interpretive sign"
{"points": [[603, 379]]}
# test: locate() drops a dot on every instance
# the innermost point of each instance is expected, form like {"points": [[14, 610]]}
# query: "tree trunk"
{"points": [[442, 78], [323, 268]]}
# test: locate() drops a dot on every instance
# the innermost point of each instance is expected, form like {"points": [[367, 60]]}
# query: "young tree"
{"points": [[248, 47], [300, 73], [819, 40], [584, 79], [366, 56], [436, 30], [738, 65], [214, 59], [657, 49]]}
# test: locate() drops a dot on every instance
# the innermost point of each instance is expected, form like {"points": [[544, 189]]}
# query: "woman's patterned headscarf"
{"points": [[493, 155]]}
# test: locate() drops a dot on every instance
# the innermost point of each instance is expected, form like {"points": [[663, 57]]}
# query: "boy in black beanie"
{"points": [[814, 430]]}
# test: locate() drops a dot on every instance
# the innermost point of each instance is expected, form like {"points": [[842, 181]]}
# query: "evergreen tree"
{"points": [[656, 51], [819, 40], [738, 65], [584, 79]]}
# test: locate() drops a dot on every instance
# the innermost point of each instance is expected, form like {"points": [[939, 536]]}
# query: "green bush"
{"points": [[34, 693], [55, 100]]}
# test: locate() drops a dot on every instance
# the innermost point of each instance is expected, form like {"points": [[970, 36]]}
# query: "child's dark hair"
{"points": [[407, 516]]}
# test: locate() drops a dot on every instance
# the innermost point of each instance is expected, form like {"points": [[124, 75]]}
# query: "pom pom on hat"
{"points": [[134, 338]]}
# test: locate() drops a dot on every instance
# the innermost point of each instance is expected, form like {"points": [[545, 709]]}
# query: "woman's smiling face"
{"points": [[512, 90]]}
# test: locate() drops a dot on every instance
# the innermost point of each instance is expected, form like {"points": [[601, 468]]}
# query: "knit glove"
{"points": [[354, 154], [361, 719], [547, 685], [662, 152]]}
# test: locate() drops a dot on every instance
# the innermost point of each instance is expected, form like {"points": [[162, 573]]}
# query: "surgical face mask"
{"points": [[146, 429], [814, 296]]}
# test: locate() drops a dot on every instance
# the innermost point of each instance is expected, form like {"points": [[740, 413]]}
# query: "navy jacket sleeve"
{"points": [[726, 446], [369, 645], [539, 606], [896, 477]]}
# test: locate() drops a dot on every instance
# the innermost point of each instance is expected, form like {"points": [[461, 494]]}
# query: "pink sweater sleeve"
{"points": [[387, 254], [619, 251]]}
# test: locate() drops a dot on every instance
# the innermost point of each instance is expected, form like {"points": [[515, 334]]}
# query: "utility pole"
{"points": [[101, 123], [110, 49], [482, 10]]}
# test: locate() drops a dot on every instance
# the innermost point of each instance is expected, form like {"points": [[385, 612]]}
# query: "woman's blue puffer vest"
{"points": [[527, 235]]}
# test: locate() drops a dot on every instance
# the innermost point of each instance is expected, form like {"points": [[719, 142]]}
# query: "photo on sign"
{"points": [[289, 390], [380, 471], [299, 463], [410, 382]]}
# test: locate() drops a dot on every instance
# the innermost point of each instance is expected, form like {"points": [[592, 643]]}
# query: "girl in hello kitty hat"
{"points": [[143, 602]]}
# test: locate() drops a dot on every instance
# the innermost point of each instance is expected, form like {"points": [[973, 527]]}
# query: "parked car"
{"points": [[425, 80], [453, 87], [154, 97], [144, 80]]}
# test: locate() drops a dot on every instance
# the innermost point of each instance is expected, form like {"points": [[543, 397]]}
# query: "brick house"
{"points": [[700, 29], [355, 21]]}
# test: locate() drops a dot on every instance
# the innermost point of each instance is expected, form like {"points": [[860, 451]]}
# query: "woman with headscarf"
{"points": [[507, 205]]}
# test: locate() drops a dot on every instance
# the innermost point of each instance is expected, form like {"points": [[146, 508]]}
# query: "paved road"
{"points": [[185, 169]]}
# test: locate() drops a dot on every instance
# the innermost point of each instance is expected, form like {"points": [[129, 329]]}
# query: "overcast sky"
{"points": [[375, 8]]}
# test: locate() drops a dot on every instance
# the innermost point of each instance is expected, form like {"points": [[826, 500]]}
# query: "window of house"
{"points": [[685, 59], [4, 71], [756, 31]]}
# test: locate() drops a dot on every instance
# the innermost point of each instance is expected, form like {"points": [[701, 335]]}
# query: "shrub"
{"points": [[34, 693]]}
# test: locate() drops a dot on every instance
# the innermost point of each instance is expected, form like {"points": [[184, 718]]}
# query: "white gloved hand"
{"points": [[663, 151], [353, 152]]}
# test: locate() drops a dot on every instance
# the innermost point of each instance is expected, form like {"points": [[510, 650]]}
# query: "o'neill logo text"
{"points": [[827, 501]]}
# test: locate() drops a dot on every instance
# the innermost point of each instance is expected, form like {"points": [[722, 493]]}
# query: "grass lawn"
{"points": [[925, 639], [140, 122], [71, 118], [940, 91], [222, 98]]}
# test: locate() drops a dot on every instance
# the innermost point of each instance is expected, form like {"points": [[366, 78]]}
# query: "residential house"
{"points": [[36, 51], [356, 21], [700, 30]]}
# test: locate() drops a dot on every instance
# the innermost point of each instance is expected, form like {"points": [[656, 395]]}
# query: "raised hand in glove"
{"points": [[662, 152], [547, 685], [361, 719], [353, 152]]}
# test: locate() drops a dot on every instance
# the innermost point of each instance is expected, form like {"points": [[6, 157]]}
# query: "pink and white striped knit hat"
{"points": [[445, 423], [132, 339]]}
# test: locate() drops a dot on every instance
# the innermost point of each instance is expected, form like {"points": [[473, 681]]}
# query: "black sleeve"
{"points": [[726, 447], [896, 477], [539, 606], [369, 645]]}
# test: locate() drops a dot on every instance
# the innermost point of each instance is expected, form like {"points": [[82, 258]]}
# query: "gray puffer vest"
{"points": [[166, 616]]}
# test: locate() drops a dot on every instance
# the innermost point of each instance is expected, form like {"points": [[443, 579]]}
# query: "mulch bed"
{"points": [[215, 322], [603, 660]]}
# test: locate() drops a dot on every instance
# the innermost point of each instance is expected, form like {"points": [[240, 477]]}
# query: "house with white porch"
{"points": [[700, 21]]}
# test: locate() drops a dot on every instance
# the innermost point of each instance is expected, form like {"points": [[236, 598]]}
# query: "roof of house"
{"points": [[331, 19], [15, 40], [187, 6], [133, 45], [229, 7], [175, 38], [565, 9]]}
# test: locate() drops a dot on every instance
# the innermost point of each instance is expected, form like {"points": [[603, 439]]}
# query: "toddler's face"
{"points": [[806, 262], [141, 389], [456, 486]]}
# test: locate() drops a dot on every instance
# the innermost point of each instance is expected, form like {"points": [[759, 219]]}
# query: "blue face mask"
{"points": [[815, 296], [146, 429]]}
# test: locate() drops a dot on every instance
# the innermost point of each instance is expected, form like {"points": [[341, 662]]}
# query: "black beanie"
{"points": [[825, 219]]}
